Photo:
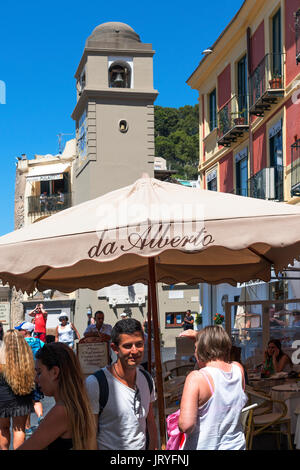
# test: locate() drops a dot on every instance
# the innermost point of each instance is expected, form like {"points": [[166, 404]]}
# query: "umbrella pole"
{"points": [[159, 381], [149, 332]]}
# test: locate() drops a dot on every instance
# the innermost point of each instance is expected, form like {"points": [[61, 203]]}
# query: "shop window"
{"points": [[174, 319]]}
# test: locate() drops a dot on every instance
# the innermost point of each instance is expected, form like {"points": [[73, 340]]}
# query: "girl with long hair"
{"points": [[213, 396], [275, 359], [70, 423], [16, 386]]}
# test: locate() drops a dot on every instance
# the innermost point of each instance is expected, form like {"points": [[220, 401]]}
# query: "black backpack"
{"points": [[103, 386]]}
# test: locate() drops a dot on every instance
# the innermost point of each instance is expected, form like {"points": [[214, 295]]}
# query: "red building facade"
{"points": [[249, 104]]}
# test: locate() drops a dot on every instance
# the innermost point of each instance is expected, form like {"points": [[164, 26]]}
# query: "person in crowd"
{"points": [[16, 386], [99, 329], [26, 329], [1, 331], [275, 360], [44, 201], [65, 332], [70, 423], [126, 418], [124, 316], [296, 318], [213, 396], [188, 321], [40, 319], [274, 318], [90, 319]]}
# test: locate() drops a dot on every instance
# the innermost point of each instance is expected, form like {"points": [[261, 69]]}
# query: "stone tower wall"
{"points": [[17, 313]]}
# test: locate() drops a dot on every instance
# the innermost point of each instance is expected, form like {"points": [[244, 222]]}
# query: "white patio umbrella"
{"points": [[194, 235], [153, 231]]}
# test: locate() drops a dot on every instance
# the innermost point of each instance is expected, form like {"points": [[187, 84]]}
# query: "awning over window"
{"points": [[47, 172]]}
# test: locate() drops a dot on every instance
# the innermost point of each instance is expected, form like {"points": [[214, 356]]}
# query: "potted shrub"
{"points": [[240, 119], [275, 82], [198, 321], [218, 319]]}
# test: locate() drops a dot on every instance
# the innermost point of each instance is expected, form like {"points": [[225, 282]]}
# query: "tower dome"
{"points": [[114, 32]]}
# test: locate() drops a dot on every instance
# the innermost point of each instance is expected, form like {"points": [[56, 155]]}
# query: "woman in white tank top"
{"points": [[65, 331], [213, 397]]}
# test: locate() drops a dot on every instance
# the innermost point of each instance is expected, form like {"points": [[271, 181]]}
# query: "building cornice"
{"points": [[235, 29], [112, 95]]}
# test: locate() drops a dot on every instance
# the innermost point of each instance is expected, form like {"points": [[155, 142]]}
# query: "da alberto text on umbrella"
{"points": [[159, 240]]}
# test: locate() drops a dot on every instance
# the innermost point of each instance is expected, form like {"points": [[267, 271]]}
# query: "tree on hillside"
{"points": [[177, 139]]}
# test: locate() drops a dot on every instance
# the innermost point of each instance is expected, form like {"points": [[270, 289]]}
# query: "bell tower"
{"points": [[114, 114]]}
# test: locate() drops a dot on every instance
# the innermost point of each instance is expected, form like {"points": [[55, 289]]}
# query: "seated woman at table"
{"points": [[275, 359], [213, 397]]}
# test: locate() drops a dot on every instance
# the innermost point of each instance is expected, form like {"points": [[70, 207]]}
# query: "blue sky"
{"points": [[40, 48]]}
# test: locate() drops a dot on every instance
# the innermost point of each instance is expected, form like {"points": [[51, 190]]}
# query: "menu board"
{"points": [[92, 356]]}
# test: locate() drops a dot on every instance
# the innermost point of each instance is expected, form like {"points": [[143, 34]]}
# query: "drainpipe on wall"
{"points": [[249, 66]]}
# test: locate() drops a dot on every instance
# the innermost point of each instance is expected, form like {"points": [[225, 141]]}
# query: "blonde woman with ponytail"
{"points": [[70, 423], [16, 386]]}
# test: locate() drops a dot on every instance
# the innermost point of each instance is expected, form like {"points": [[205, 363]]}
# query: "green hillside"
{"points": [[177, 139]]}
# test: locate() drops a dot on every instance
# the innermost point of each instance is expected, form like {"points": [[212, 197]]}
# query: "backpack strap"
{"points": [[103, 389], [148, 378]]}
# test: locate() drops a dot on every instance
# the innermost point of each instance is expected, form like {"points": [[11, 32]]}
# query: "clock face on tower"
{"points": [[82, 137]]}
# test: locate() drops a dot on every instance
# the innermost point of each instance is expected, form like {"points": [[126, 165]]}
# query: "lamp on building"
{"points": [[113, 302], [207, 51], [89, 310]]}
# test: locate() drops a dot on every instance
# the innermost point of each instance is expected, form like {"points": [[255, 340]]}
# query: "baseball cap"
{"points": [[25, 325], [124, 314]]}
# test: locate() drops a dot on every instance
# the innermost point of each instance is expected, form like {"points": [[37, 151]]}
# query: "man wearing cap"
{"points": [[26, 329], [99, 329], [124, 316], [40, 320]]}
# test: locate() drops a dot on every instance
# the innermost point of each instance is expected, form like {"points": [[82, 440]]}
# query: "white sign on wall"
{"points": [[176, 294], [5, 313]]}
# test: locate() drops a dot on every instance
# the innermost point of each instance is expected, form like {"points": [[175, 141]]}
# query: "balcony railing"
{"points": [[233, 120], [46, 205], [295, 169], [267, 184], [266, 84]]}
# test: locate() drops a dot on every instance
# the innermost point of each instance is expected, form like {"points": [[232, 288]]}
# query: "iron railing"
{"points": [[233, 114], [295, 168], [48, 204], [267, 184], [268, 75]]}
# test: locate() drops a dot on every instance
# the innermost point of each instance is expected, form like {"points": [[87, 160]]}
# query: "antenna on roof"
{"points": [[60, 142]]}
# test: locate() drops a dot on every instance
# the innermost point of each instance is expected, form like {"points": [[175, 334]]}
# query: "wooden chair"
{"points": [[246, 419], [265, 420], [183, 369]]}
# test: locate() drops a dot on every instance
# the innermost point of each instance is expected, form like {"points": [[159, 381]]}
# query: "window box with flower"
{"points": [[218, 319]]}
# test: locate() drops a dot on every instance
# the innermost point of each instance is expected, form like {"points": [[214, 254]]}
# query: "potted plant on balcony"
{"points": [[239, 120], [276, 81]]}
